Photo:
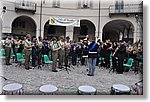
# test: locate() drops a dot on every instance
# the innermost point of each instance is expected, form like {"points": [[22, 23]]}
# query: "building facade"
{"points": [[114, 19]]}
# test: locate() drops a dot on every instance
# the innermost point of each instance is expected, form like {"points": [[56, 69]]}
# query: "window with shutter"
{"points": [[85, 4], [56, 3]]}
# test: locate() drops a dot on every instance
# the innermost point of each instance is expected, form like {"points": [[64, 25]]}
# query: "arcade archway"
{"points": [[86, 27], [53, 30], [118, 30], [24, 25]]}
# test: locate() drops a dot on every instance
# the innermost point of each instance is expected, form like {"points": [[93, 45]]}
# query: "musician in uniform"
{"points": [[61, 52], [8, 49], [74, 52], [107, 49], [114, 56], [16, 46], [99, 49], [84, 52], [121, 52], [40, 45], [27, 50], [55, 47], [46, 47], [34, 51]]}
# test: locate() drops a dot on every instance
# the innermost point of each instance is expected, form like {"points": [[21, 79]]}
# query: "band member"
{"points": [[87, 37], [74, 52], [8, 49], [114, 56], [79, 50], [121, 52], [15, 46], [55, 47], [40, 45], [27, 50], [21, 46], [93, 47], [99, 49], [67, 49], [107, 49], [84, 52], [46, 47], [34, 51], [61, 51]]}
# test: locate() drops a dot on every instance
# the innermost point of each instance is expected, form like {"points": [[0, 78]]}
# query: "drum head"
{"points": [[121, 88]]}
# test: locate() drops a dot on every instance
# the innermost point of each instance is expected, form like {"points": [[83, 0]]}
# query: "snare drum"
{"points": [[12, 89], [86, 90], [48, 89], [119, 89]]}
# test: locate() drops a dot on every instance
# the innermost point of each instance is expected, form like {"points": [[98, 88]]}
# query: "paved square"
{"points": [[67, 83]]}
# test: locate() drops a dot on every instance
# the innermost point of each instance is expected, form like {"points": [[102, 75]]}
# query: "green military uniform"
{"points": [[16, 48], [8, 50], [61, 54], [54, 55], [27, 52]]}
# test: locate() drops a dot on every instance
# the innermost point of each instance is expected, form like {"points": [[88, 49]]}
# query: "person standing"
{"points": [[21, 46], [61, 52], [16, 47], [107, 50], [34, 51], [27, 50], [8, 49], [46, 47], [74, 52], [84, 52], [39, 53], [55, 47], [121, 52], [92, 55]]}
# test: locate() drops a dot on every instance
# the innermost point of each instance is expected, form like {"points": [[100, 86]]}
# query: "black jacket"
{"points": [[93, 53], [121, 53]]}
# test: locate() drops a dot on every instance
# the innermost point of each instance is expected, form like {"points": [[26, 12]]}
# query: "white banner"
{"points": [[64, 22]]}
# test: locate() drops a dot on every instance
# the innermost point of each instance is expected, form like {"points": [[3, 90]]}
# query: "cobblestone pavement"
{"points": [[67, 83]]}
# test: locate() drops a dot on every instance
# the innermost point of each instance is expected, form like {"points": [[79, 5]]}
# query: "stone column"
{"points": [[38, 33], [98, 35], [69, 32], [42, 33], [6, 29]]}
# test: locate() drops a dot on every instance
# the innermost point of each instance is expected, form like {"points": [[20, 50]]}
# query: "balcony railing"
{"points": [[27, 6], [126, 9]]}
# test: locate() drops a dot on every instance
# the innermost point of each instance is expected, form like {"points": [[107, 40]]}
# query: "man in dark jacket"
{"points": [[121, 52], [92, 55]]}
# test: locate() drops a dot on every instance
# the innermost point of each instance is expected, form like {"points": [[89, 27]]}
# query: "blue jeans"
{"points": [[91, 65]]}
